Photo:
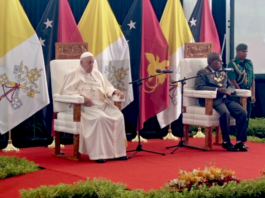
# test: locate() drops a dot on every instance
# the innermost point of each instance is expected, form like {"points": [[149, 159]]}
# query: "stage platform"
{"points": [[143, 171]]}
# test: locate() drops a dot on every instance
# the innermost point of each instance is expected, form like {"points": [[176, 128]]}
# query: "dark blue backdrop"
{"points": [[23, 135]]}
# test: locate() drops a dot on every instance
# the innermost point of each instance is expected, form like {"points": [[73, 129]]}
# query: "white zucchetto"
{"points": [[86, 54]]}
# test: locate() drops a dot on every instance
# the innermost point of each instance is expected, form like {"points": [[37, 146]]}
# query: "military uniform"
{"points": [[223, 104], [243, 72], [243, 75]]}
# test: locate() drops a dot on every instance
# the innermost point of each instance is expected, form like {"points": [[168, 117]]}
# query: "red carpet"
{"points": [[144, 170]]}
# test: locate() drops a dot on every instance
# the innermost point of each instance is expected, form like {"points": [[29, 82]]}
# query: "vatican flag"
{"points": [[22, 74], [177, 32], [100, 29]]}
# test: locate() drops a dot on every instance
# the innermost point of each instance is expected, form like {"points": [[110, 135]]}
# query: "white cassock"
{"points": [[102, 124]]}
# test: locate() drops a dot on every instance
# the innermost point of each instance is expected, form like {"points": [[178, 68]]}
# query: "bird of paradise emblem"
{"points": [[154, 64]]}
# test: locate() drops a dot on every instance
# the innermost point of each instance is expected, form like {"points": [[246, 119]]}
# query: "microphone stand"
{"points": [[181, 142], [139, 146]]}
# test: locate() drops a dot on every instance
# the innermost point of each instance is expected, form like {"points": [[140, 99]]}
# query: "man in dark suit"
{"points": [[212, 78]]}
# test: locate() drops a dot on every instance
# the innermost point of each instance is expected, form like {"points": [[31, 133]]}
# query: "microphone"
{"points": [[227, 69], [163, 71]]}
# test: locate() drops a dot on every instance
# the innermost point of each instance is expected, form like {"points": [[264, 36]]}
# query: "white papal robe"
{"points": [[102, 124]]}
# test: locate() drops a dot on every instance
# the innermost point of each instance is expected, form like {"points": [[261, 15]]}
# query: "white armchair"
{"points": [[196, 115], [64, 121]]}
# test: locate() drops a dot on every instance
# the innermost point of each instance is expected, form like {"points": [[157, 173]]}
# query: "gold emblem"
{"points": [[117, 76], [154, 64]]}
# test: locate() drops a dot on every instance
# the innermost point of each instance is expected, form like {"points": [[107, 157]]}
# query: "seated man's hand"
{"points": [[87, 102], [253, 99], [119, 93], [224, 91]]}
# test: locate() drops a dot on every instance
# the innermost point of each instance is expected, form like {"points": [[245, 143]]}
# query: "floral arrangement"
{"points": [[263, 172], [209, 176]]}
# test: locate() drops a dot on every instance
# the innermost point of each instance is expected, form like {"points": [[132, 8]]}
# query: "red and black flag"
{"points": [[202, 25], [56, 25], [148, 52]]}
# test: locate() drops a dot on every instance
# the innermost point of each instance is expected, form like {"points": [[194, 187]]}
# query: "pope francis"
{"points": [[102, 124]]}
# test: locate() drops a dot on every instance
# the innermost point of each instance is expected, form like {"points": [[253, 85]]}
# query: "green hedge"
{"points": [[104, 188], [256, 128], [11, 166]]}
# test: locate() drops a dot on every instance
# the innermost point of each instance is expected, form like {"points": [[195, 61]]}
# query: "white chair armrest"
{"points": [[242, 93], [199, 93], [76, 99]]}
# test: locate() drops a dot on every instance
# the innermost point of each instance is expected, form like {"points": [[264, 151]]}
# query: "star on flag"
{"points": [[48, 23], [42, 42], [131, 24], [193, 22]]}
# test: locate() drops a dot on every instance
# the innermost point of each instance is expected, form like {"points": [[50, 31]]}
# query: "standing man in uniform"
{"points": [[243, 75]]}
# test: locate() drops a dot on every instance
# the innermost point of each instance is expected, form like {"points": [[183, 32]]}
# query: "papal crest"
{"points": [[173, 93], [116, 76], [25, 81]]}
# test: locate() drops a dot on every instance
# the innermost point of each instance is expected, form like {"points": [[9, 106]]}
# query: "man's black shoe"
{"points": [[229, 147], [100, 161], [122, 158], [241, 146]]}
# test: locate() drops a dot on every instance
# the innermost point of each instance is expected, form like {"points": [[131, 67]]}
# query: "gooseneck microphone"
{"points": [[227, 69], [163, 71]]}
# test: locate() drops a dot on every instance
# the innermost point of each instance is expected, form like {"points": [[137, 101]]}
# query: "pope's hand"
{"points": [[87, 101], [119, 93]]}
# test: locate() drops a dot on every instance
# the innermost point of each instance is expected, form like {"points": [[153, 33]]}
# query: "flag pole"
{"points": [[10, 146], [52, 145], [199, 133], [170, 136], [224, 41], [137, 137]]}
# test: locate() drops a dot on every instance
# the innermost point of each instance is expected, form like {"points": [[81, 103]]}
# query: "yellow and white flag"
{"points": [[100, 29], [177, 32], [23, 89]]}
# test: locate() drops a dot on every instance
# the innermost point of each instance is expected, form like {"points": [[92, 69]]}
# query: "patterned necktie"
{"points": [[216, 74]]}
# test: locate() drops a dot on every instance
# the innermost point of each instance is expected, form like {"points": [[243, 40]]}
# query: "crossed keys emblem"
{"points": [[25, 81], [173, 93]]}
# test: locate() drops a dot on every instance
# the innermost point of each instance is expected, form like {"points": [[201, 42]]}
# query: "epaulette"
{"points": [[233, 60], [248, 60]]}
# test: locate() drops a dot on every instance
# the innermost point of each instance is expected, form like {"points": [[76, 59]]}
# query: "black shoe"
{"points": [[241, 146], [100, 161], [122, 158], [229, 147]]}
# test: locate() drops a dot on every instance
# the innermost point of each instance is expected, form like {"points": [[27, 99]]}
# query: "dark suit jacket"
{"points": [[208, 81]]}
